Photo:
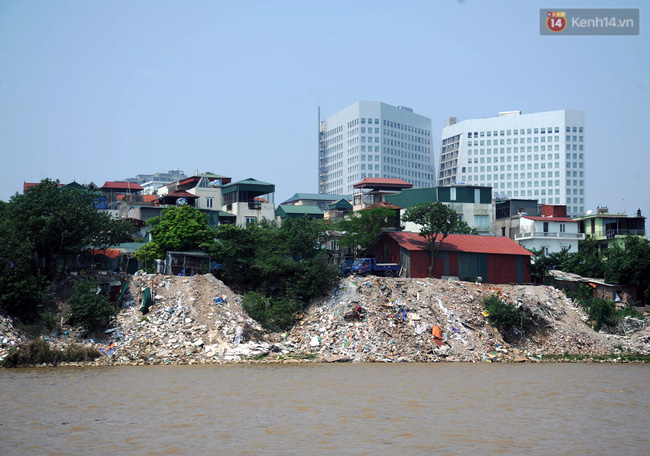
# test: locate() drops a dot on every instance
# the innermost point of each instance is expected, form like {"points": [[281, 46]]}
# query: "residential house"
{"points": [[551, 232], [286, 211], [322, 200], [111, 190], [610, 229], [506, 209], [375, 190], [473, 204], [249, 200], [338, 210], [466, 257]]}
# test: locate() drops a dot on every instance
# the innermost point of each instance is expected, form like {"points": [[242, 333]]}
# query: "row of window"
{"points": [[522, 131]]}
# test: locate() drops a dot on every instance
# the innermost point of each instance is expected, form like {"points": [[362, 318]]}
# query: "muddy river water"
{"points": [[312, 409]]}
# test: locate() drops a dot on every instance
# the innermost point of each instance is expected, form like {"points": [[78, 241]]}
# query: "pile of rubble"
{"points": [[393, 319], [366, 319], [191, 320], [10, 337]]}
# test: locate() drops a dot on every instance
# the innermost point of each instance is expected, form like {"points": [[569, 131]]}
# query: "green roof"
{"points": [[413, 197], [317, 197], [341, 204], [291, 210], [248, 185]]}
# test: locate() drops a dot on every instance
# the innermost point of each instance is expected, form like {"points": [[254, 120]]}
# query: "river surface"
{"points": [[313, 409]]}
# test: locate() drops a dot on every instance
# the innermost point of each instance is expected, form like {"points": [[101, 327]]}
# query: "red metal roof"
{"points": [[180, 194], [549, 219], [469, 243], [384, 204], [382, 182], [132, 186]]}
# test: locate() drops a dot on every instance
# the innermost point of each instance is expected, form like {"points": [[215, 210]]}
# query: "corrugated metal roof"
{"points": [[300, 209], [384, 204], [383, 182], [316, 197], [133, 186], [469, 243]]}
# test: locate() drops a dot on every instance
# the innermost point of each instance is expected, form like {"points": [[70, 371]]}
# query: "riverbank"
{"points": [[199, 320]]}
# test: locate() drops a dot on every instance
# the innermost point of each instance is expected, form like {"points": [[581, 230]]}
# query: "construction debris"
{"points": [[199, 319]]}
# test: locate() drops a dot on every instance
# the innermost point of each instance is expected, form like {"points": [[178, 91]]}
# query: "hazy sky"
{"points": [[103, 90]]}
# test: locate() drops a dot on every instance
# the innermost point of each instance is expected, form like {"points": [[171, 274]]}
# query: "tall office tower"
{"points": [[373, 139], [534, 156]]}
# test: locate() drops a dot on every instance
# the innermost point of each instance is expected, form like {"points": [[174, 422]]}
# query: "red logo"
{"points": [[556, 21]]}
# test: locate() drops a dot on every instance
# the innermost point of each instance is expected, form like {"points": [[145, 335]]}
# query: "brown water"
{"points": [[442, 409]]}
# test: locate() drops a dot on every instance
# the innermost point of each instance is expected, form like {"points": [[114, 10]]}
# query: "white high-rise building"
{"points": [[533, 156], [373, 139]]}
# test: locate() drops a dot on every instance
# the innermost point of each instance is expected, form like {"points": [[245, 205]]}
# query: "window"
{"points": [[452, 195], [251, 220], [209, 202]]}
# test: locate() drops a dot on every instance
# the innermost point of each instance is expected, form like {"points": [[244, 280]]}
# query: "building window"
{"points": [[209, 202], [452, 193], [251, 220]]}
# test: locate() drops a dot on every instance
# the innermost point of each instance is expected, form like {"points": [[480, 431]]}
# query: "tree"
{"points": [[59, 221], [630, 264], [21, 285], [89, 309], [178, 228], [362, 229], [438, 221], [284, 266]]}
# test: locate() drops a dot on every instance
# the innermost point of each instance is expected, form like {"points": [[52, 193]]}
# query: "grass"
{"points": [[613, 357], [39, 351]]}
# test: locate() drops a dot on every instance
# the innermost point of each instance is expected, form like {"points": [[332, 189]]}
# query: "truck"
{"points": [[363, 266]]}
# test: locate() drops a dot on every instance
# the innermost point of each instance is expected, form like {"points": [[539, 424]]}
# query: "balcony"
{"points": [[254, 205], [551, 235]]}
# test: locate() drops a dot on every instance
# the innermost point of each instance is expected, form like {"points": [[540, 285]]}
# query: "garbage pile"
{"points": [[185, 320], [375, 319], [10, 337], [181, 320]]}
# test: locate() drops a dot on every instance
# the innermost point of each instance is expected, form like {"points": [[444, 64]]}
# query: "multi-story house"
{"points": [[550, 232], [609, 229], [473, 204]]}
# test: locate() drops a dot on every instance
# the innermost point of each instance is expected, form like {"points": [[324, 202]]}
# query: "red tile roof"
{"points": [[549, 219], [132, 186], [498, 245], [382, 182]]}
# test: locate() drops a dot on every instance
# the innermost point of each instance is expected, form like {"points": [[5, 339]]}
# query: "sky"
{"points": [[102, 91]]}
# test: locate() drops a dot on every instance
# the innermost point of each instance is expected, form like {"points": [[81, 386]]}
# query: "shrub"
{"points": [[507, 318], [39, 351], [88, 307], [274, 314]]}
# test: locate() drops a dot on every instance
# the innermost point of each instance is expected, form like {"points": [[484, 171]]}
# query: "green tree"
{"points": [[362, 229], [438, 221], [181, 228], [630, 264], [89, 309], [60, 221], [285, 266], [21, 285]]}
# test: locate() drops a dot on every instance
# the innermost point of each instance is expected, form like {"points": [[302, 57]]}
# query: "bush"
{"points": [[507, 318], [274, 314], [39, 352], [88, 307]]}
